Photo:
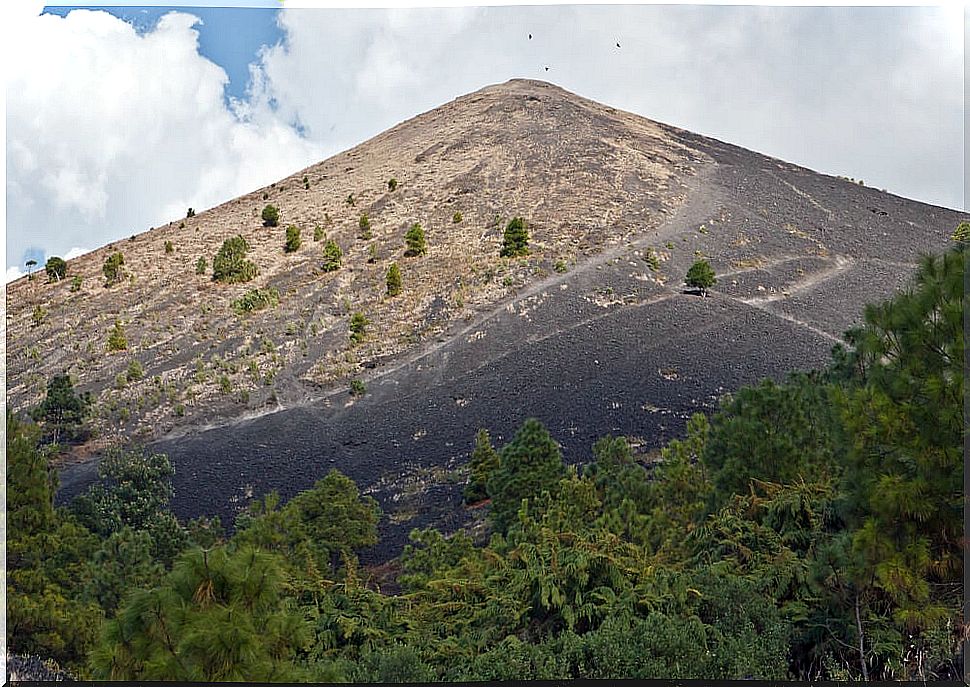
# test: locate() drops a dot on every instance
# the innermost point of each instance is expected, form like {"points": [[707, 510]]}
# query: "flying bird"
{"points": [[530, 36], [547, 67], [618, 44]]}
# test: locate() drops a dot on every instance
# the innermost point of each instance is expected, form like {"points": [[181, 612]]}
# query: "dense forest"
{"points": [[808, 529]]}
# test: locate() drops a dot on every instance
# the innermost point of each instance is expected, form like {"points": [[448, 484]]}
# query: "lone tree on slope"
{"points": [[516, 240], [700, 276]]}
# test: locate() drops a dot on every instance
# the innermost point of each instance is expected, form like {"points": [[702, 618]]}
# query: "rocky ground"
{"points": [[612, 345]]}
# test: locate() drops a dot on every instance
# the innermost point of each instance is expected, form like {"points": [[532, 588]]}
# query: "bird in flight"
{"points": [[530, 36], [618, 44]]}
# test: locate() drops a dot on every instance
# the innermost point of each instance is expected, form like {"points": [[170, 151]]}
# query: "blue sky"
{"points": [[229, 36], [124, 116]]}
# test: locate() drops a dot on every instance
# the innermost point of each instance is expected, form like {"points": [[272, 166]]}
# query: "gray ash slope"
{"points": [[613, 345]]}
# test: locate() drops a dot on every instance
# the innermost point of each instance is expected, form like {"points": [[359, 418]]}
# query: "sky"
{"points": [[121, 117]]}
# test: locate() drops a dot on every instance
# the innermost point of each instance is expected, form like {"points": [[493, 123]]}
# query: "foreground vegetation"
{"points": [[810, 529]]}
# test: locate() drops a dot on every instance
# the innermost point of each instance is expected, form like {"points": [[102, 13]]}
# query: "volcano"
{"points": [[592, 332]]}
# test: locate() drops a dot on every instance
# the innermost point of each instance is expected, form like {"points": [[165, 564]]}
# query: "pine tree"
{"points": [[415, 241], [113, 268], [393, 280], [484, 462], [528, 465], [700, 276], [230, 264], [515, 243], [292, 239], [331, 256]]}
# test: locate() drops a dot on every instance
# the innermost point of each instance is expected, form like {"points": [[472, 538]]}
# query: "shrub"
{"points": [[560, 266], [113, 270], [117, 341], [39, 315], [351, 201], [357, 388], [318, 233], [516, 240], [392, 184], [456, 218], [652, 260], [76, 284], [201, 265], [393, 280], [364, 225], [358, 327], [372, 253], [190, 214], [121, 380], [331, 256], [56, 268], [271, 216], [256, 299], [415, 241], [292, 239], [700, 276], [962, 232], [169, 248], [135, 371], [230, 265]]}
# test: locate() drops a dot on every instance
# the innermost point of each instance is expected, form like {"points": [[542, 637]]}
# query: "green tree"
{"points": [[190, 214], [46, 556], [392, 184], [415, 241], [528, 465], [113, 268], [218, 616], [201, 265], [331, 256], [484, 461], [230, 264], [358, 327], [271, 216], [76, 283], [56, 268], [30, 264], [292, 239], [364, 225], [393, 280], [169, 248], [122, 564], [319, 527], [771, 432], [905, 432], [62, 411], [117, 341], [700, 276], [133, 488], [515, 242]]}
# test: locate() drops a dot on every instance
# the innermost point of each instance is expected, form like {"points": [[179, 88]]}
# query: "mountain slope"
{"points": [[584, 175], [613, 344]]}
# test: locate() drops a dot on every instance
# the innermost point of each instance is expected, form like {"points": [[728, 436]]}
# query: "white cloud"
{"points": [[110, 131]]}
